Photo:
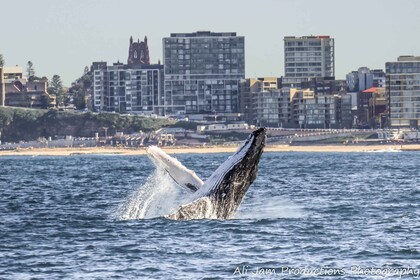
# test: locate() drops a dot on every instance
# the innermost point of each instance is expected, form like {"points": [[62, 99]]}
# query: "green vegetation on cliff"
{"points": [[28, 124]]}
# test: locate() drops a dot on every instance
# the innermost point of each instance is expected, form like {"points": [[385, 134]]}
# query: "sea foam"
{"points": [[157, 197], [269, 208]]}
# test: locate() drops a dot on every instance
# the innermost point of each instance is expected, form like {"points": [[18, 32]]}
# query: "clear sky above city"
{"points": [[62, 37]]}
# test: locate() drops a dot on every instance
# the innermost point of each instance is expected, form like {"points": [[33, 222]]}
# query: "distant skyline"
{"points": [[62, 37]]}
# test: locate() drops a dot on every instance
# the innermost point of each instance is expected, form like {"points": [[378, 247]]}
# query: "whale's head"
{"points": [[230, 182], [250, 152], [257, 139]]}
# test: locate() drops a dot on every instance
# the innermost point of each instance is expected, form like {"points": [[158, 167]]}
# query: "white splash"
{"points": [[270, 208], [387, 150], [157, 197]]}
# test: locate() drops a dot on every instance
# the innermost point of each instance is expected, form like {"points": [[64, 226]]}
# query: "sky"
{"points": [[62, 37]]}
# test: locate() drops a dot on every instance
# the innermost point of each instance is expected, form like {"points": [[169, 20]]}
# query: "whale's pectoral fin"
{"points": [[183, 176], [183, 183]]}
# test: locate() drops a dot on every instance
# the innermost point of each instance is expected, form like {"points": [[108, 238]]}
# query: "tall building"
{"points": [[124, 89], [2, 88], [308, 57], [364, 78], [403, 91], [135, 87], [203, 71]]}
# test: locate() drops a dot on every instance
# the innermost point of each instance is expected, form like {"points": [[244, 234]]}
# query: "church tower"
{"points": [[138, 53]]}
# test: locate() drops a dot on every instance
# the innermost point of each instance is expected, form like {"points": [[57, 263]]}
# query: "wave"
{"points": [[271, 208], [387, 150]]}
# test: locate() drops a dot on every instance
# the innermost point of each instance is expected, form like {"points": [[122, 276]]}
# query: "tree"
{"points": [[30, 70], [79, 99], [87, 78], [56, 88], [1, 60], [86, 71], [81, 89], [46, 101]]}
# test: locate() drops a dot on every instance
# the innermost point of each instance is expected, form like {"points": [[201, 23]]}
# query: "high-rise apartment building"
{"points": [[135, 87], [202, 72], [124, 89], [308, 57], [403, 91]]}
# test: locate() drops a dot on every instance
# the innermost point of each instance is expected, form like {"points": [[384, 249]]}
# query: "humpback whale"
{"points": [[221, 194]]}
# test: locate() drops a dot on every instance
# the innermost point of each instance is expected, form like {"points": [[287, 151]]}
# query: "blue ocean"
{"points": [[307, 216]]}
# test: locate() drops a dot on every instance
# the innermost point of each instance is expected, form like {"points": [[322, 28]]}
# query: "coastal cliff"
{"points": [[18, 124]]}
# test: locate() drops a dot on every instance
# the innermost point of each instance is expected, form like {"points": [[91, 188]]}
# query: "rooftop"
{"points": [[204, 34], [374, 90], [404, 58], [307, 37], [13, 70]]}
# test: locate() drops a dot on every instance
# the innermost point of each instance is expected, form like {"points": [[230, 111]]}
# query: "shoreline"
{"points": [[206, 150]]}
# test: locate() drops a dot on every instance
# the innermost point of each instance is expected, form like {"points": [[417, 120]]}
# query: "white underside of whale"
{"points": [[186, 177], [176, 170]]}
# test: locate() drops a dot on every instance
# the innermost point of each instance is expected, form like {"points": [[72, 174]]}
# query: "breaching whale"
{"points": [[221, 194]]}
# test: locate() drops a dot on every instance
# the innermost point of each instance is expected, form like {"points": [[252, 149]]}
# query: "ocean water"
{"points": [[353, 215]]}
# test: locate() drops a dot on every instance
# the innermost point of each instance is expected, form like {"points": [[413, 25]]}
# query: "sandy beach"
{"points": [[208, 149]]}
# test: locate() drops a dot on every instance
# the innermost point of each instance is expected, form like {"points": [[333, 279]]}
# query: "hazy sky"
{"points": [[61, 37]]}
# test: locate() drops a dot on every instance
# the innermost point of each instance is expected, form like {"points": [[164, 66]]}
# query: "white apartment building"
{"points": [[308, 57], [403, 92], [128, 89]]}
